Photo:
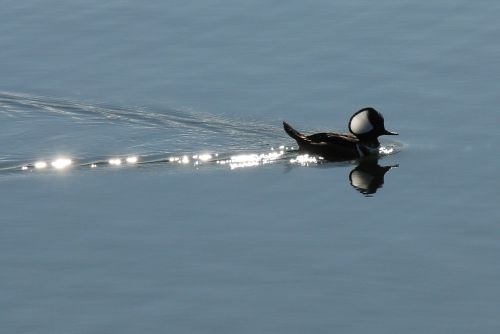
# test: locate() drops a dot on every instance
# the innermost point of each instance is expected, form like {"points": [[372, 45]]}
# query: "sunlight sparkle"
{"points": [[115, 162], [40, 164], [61, 163], [132, 160]]}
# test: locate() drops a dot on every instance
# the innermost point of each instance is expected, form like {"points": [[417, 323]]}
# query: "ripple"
{"points": [[124, 137]]}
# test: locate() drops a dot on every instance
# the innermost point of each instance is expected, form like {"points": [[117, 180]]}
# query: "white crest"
{"points": [[360, 124]]}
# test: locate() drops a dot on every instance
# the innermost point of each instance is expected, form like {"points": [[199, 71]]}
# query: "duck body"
{"points": [[365, 126]]}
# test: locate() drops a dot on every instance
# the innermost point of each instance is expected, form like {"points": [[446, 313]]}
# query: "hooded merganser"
{"points": [[366, 125]]}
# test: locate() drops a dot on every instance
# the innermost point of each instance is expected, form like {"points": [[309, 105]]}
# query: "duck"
{"points": [[365, 126]]}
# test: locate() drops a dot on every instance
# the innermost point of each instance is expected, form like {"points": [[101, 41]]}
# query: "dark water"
{"points": [[146, 184]]}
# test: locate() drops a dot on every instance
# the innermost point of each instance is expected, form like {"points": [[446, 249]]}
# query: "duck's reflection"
{"points": [[368, 176]]}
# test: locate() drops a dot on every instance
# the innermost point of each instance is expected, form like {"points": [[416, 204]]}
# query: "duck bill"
{"points": [[389, 133]]}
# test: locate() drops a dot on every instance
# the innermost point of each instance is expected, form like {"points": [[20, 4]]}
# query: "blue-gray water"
{"points": [[218, 227]]}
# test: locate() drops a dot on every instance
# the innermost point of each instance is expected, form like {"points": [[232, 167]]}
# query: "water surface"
{"points": [[220, 225]]}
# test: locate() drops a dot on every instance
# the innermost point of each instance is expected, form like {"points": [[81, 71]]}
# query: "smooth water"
{"points": [[146, 184]]}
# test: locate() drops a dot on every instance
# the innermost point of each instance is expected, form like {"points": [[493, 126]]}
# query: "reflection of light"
{"points": [[24, 168], [304, 160], [183, 160], [201, 157], [40, 164], [250, 160], [204, 157], [131, 160], [386, 150], [115, 162], [61, 163], [244, 160], [93, 166]]}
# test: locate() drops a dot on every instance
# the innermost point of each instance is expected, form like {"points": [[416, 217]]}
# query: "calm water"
{"points": [[184, 207]]}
